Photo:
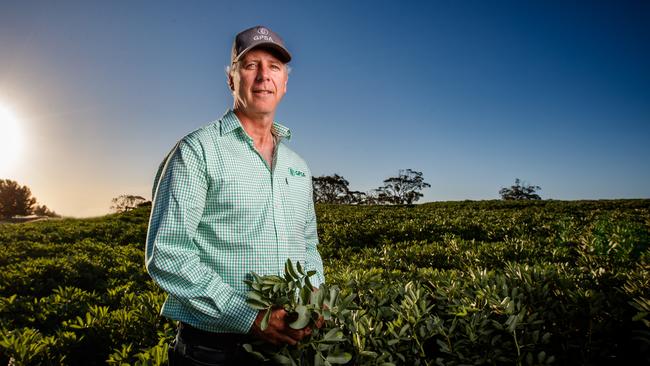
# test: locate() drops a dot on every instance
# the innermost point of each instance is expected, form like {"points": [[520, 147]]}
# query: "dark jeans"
{"points": [[195, 347]]}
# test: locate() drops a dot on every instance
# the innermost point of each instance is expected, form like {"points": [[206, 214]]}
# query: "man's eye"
{"points": [[251, 66], [275, 67]]}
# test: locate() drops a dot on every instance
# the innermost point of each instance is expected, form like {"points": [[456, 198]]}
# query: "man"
{"points": [[230, 199]]}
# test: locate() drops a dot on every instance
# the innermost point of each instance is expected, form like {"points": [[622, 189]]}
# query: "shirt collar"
{"points": [[230, 122]]}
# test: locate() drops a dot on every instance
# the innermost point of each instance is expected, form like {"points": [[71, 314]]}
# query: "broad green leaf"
{"points": [[327, 314], [318, 359], [303, 317], [348, 299], [265, 320], [334, 295], [333, 334], [272, 279], [257, 305], [339, 358], [323, 291], [317, 298], [281, 301], [404, 329], [289, 270], [305, 294], [368, 354], [250, 350], [255, 295]]}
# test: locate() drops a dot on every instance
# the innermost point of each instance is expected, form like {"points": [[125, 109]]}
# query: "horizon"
{"points": [[473, 95], [466, 201]]}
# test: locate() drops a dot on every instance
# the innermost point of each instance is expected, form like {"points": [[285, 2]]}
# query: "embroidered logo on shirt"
{"points": [[296, 173]]}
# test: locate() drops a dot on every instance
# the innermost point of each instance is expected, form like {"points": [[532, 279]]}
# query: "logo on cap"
{"points": [[263, 31]]}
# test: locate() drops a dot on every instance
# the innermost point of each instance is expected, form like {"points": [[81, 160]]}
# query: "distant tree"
{"points": [[355, 198], [15, 199], [519, 191], [403, 189], [372, 198], [127, 202], [330, 189], [42, 210], [381, 198]]}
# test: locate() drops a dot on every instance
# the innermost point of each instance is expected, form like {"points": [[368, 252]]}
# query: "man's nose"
{"points": [[262, 72]]}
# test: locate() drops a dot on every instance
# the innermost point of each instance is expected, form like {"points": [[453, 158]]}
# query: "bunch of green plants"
{"points": [[444, 283], [305, 306], [75, 292]]}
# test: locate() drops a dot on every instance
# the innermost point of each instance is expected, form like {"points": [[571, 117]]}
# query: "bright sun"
{"points": [[11, 141]]}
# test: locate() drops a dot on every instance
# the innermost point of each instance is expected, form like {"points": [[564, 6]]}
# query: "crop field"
{"points": [[446, 283]]}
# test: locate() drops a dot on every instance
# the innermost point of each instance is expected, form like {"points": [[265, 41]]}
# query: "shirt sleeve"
{"points": [[313, 260], [172, 257]]}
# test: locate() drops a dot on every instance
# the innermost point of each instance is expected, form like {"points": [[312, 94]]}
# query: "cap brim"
{"points": [[285, 56]]}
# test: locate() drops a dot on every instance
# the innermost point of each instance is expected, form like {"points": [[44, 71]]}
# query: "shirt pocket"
{"points": [[296, 197]]}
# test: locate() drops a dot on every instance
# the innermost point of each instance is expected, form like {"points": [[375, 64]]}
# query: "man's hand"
{"points": [[278, 331], [320, 322]]}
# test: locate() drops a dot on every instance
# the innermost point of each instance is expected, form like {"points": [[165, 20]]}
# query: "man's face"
{"points": [[259, 82]]}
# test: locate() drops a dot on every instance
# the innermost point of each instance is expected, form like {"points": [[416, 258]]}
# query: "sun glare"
{"points": [[11, 141]]}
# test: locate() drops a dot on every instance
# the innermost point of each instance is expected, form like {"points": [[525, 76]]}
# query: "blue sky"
{"points": [[472, 93]]}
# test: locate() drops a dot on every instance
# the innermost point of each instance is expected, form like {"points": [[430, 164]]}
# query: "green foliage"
{"points": [[335, 189], [403, 189], [304, 306], [42, 210], [519, 191], [127, 202], [76, 291], [15, 199], [449, 283], [330, 189]]}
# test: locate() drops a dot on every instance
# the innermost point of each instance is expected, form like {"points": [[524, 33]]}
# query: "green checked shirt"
{"points": [[219, 213]]}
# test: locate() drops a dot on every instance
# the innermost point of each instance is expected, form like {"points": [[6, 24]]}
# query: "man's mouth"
{"points": [[263, 92]]}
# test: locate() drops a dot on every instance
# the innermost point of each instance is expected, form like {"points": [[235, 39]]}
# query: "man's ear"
{"points": [[231, 83]]}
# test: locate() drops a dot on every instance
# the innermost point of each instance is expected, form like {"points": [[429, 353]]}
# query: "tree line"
{"points": [[403, 189], [17, 200]]}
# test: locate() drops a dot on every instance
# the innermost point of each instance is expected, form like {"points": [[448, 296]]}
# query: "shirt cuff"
{"points": [[313, 262], [239, 316]]}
